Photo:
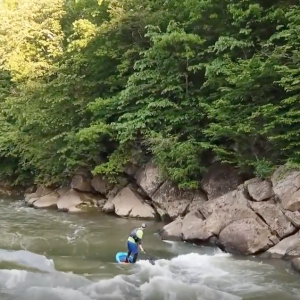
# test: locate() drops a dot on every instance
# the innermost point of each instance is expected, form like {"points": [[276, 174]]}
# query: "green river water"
{"points": [[49, 255]]}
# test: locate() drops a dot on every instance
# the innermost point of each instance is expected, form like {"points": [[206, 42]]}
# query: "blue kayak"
{"points": [[121, 257]]}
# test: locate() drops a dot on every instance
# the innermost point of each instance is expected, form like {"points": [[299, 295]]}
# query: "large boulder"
{"points": [[259, 190], [224, 210], [100, 185], [274, 218], [149, 178], [186, 228], [286, 185], [293, 217], [43, 190], [128, 203], [191, 224], [40, 192], [75, 199], [47, 201], [171, 201], [172, 231], [246, 236], [220, 179], [82, 183], [281, 249]]}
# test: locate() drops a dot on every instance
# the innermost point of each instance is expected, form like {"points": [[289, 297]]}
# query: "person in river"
{"points": [[134, 242]]}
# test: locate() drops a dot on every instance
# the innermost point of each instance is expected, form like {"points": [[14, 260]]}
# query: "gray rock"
{"points": [[259, 190], [286, 185], [128, 203], [246, 236], [220, 179], [149, 178], [274, 217]]}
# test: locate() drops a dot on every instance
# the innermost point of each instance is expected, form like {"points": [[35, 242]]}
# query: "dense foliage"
{"points": [[98, 84]]}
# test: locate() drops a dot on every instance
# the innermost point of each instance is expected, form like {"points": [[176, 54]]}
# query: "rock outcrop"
{"points": [[247, 217], [220, 179], [149, 179], [171, 201]]}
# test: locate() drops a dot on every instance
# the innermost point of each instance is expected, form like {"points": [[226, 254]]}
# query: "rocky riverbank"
{"points": [[241, 215]]}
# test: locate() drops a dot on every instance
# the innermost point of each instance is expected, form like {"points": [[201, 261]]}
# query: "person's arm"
{"points": [[141, 247], [139, 234]]}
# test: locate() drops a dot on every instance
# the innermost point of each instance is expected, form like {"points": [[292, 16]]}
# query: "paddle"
{"points": [[151, 259]]}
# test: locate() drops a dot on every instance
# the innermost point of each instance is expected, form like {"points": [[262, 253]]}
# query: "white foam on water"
{"points": [[11, 278], [59, 293], [27, 259], [185, 277]]}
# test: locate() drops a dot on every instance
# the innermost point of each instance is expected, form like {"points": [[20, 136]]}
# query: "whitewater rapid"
{"points": [[185, 277]]}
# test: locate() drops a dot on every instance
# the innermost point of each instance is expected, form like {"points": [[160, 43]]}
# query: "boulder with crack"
{"points": [[149, 179], [230, 222], [47, 201], [73, 201], [286, 185], [128, 203], [82, 183], [284, 246], [40, 192], [246, 236], [259, 190], [220, 179], [171, 201], [274, 218]]}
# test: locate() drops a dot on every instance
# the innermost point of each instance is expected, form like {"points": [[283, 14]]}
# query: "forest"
{"points": [[98, 84]]}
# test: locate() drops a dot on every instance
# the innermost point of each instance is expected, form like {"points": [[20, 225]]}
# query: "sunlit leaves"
{"points": [[93, 83]]}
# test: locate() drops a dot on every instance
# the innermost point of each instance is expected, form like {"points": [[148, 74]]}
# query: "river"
{"points": [[49, 255]]}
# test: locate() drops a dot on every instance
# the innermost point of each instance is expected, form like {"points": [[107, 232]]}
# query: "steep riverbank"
{"points": [[72, 256]]}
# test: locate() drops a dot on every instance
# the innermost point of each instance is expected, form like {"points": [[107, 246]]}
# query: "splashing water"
{"points": [[190, 276]]}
